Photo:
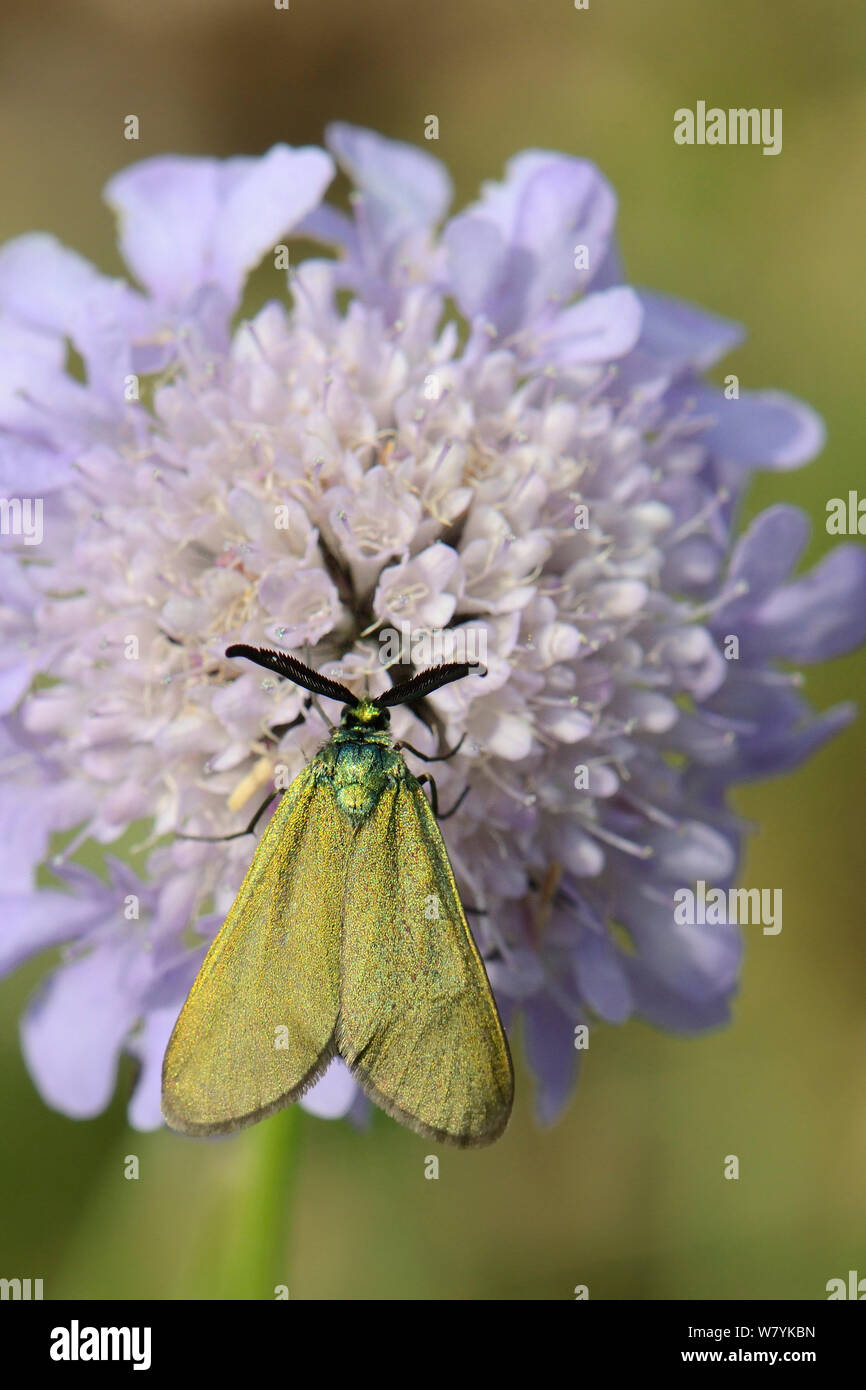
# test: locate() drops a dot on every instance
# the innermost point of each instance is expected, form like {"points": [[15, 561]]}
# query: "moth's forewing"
{"points": [[258, 1025], [418, 1023]]}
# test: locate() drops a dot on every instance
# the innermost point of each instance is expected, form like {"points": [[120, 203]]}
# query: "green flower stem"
{"points": [[254, 1256]]}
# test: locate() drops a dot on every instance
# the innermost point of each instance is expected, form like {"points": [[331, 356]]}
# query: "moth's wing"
{"points": [[418, 1023], [258, 1025]]}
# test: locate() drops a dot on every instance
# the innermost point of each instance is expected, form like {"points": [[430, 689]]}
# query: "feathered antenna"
{"points": [[427, 681], [296, 671]]}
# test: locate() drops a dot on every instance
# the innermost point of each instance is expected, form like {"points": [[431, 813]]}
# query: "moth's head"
{"points": [[366, 715]]}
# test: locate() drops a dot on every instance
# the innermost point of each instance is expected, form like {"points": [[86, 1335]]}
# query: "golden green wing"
{"points": [[418, 1023], [258, 1025]]}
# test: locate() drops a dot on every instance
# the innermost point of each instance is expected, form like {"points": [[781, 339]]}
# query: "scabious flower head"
{"points": [[471, 424]]}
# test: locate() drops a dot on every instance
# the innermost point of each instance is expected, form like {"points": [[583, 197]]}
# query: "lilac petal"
{"points": [[767, 429], [25, 829], [31, 372], [308, 598], [566, 203], [187, 222], [401, 186], [820, 615], [696, 962], [333, 1094], [266, 200], [360, 1112], [611, 271], [15, 678], [679, 335], [570, 189], [601, 977], [175, 903], [32, 921], [145, 1106], [331, 226], [500, 202], [659, 1004], [599, 328], [547, 207], [765, 556], [31, 470], [550, 1051], [689, 852], [33, 351], [51, 288], [778, 748], [476, 261], [43, 284], [692, 563], [73, 1031]]}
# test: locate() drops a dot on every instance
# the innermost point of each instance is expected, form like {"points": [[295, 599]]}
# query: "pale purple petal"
{"points": [[187, 222], [599, 328], [31, 922], [73, 1031], [52, 289], [549, 215], [602, 977], [765, 555], [820, 615], [697, 962], [679, 335], [660, 1003], [25, 828], [476, 260], [145, 1111], [550, 1037], [38, 468], [566, 204], [401, 186], [766, 429], [333, 1094]]}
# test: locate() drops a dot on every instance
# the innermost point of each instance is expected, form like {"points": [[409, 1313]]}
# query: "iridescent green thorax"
{"points": [[360, 760]]}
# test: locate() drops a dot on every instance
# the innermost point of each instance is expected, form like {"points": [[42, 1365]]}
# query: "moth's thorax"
{"points": [[359, 764]]}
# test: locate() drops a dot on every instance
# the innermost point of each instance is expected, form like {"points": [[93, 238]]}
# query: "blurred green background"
{"points": [[626, 1193]]}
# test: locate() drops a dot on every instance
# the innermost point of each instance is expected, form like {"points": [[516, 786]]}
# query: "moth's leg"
{"points": [[434, 799], [277, 730], [439, 758], [457, 804], [214, 839], [476, 911]]}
